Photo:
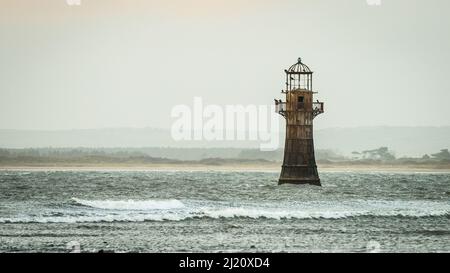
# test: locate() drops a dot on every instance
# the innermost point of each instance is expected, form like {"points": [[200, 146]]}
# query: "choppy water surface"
{"points": [[175, 211]]}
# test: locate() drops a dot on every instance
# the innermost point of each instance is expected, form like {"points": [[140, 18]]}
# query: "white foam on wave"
{"points": [[327, 211], [174, 210], [131, 204], [273, 214]]}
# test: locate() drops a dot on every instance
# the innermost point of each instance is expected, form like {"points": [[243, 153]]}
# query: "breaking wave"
{"points": [[175, 210], [131, 204]]}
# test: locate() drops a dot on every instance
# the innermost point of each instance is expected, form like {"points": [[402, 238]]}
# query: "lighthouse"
{"points": [[299, 110]]}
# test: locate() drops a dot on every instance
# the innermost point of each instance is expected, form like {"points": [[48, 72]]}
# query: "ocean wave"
{"points": [[131, 204], [175, 210], [279, 215], [92, 219]]}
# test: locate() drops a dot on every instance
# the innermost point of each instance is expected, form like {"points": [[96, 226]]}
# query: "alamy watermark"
{"points": [[73, 247], [373, 2], [201, 122], [373, 247], [73, 2]]}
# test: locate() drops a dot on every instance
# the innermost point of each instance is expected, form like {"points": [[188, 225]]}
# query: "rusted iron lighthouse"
{"points": [[299, 109]]}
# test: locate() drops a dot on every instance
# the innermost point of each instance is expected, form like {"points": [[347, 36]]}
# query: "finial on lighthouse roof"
{"points": [[299, 67]]}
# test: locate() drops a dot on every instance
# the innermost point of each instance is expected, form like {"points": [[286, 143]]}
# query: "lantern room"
{"points": [[298, 77]]}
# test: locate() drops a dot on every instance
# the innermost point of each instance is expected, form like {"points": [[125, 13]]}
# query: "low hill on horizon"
{"points": [[403, 141]]}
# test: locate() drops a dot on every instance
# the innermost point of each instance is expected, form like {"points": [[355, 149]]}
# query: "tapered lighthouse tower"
{"points": [[299, 109]]}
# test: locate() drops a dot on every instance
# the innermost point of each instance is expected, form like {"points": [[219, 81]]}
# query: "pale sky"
{"points": [[126, 63]]}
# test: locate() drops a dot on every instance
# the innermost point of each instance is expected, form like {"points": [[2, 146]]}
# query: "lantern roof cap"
{"points": [[299, 67]]}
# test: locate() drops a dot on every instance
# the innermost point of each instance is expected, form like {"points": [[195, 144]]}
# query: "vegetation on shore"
{"points": [[48, 157]]}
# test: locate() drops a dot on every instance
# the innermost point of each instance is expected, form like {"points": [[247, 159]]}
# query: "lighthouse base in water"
{"points": [[313, 181], [300, 175]]}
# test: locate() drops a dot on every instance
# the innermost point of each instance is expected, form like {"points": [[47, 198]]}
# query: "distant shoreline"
{"points": [[272, 167]]}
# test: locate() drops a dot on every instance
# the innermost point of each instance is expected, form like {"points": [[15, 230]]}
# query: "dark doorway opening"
{"points": [[301, 102]]}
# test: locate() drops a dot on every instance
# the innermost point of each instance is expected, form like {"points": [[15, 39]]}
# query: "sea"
{"points": [[222, 211]]}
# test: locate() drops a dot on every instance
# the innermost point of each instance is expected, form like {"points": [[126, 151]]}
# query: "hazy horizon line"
{"points": [[168, 129]]}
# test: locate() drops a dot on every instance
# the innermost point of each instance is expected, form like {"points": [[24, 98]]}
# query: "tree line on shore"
{"points": [[217, 156]]}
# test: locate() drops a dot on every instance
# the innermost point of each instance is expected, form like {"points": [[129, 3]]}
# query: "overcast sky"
{"points": [[126, 63]]}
